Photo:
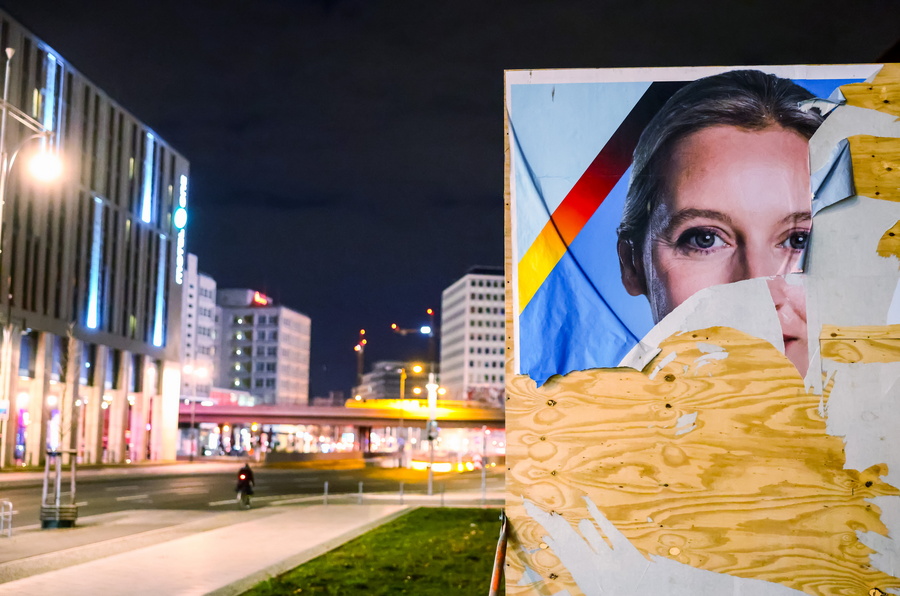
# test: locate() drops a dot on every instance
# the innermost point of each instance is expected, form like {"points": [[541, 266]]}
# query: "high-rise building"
{"points": [[264, 348], [198, 332], [473, 333], [91, 272]]}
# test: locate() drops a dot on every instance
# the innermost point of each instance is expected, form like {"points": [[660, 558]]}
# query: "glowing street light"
{"points": [[45, 167]]}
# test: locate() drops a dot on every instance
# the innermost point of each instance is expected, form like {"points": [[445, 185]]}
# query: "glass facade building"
{"points": [[91, 269]]}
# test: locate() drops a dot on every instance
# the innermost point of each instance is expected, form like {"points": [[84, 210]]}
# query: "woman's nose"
{"points": [[765, 262]]}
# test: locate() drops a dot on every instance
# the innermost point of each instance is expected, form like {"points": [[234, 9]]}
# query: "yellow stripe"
{"points": [[542, 256]]}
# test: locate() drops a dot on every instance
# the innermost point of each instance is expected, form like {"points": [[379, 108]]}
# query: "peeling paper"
{"points": [[529, 576], [709, 358], [844, 122], [598, 571], [864, 413], [662, 364], [685, 423], [887, 551], [718, 306]]}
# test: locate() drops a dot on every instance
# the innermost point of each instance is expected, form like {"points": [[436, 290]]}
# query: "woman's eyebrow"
{"points": [[797, 217], [686, 215]]}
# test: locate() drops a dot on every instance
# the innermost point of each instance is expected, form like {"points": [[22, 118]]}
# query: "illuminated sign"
{"points": [[260, 299], [179, 219]]}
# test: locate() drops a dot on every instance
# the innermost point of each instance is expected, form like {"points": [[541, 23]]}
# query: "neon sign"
{"points": [[179, 219], [260, 299]]}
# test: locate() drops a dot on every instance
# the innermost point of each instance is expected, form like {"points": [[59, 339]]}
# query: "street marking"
{"points": [[255, 498], [133, 498], [187, 490], [298, 500], [121, 488], [225, 502], [188, 483]]}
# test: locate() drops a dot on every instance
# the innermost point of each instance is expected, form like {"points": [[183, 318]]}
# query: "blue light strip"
{"points": [[49, 116], [93, 305], [147, 200], [159, 320]]}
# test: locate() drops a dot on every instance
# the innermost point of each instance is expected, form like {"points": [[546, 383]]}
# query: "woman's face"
{"points": [[737, 206]]}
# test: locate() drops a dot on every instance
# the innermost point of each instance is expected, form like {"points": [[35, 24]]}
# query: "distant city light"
{"points": [[425, 330]]}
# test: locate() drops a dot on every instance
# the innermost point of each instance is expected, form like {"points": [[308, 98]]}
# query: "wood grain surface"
{"points": [[753, 486]]}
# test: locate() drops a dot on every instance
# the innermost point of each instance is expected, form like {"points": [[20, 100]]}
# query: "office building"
{"points": [[198, 332], [393, 379], [264, 348], [92, 269], [473, 333]]}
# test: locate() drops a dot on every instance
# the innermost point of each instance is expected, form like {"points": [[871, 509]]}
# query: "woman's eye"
{"points": [[700, 239], [797, 240]]}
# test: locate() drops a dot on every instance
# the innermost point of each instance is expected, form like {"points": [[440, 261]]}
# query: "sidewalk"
{"points": [[150, 552]]}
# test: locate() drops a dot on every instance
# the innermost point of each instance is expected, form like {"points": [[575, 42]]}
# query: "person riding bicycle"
{"points": [[245, 480]]}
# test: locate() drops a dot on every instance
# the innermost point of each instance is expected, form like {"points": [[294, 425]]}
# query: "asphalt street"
{"points": [[197, 488]]}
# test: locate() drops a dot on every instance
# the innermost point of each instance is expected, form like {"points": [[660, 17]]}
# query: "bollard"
{"points": [[325, 499], [401, 493], [442, 495], [483, 482], [359, 498]]}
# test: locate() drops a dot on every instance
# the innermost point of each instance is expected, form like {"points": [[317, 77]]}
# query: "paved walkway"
{"points": [[151, 552]]}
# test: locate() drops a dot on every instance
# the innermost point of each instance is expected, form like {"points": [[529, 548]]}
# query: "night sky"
{"points": [[347, 156]]}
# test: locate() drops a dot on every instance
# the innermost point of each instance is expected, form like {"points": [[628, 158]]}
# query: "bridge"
{"points": [[372, 413]]}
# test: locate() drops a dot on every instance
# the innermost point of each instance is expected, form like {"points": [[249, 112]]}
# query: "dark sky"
{"points": [[347, 156]]}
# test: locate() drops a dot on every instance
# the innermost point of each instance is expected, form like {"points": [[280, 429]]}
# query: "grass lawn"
{"points": [[427, 551]]}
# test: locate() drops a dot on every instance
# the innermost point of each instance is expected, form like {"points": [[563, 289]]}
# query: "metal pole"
{"points": [[359, 499], [4, 366], [73, 457], [401, 493], [432, 424], [325, 498], [430, 465], [499, 558], [3, 156], [402, 431], [483, 464], [58, 476], [193, 431]]}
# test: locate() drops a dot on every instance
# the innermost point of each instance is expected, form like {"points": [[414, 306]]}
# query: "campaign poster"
{"points": [[705, 313]]}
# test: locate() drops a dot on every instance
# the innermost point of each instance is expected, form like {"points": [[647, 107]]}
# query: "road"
{"points": [[209, 488]]}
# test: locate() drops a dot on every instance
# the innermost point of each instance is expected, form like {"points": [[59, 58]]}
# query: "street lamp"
{"points": [[416, 369], [427, 330], [360, 349], [45, 167], [194, 374]]}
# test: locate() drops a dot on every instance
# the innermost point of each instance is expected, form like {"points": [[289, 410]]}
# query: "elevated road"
{"points": [[411, 413]]}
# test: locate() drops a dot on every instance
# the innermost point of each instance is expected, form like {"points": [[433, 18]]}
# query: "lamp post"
{"points": [[360, 349], [416, 368], [194, 374], [45, 167]]}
